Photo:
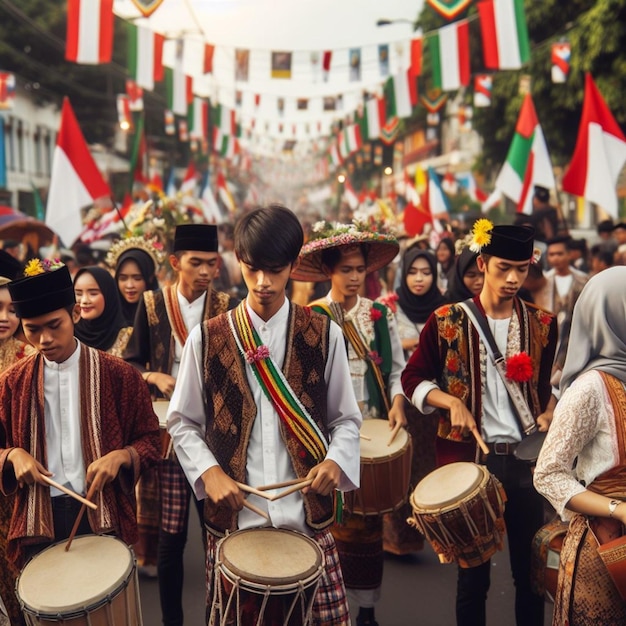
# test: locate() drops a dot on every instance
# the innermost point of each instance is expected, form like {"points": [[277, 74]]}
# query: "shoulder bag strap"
{"points": [[523, 415]]}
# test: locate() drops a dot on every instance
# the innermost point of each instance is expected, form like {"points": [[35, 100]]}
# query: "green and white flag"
{"points": [[527, 162]]}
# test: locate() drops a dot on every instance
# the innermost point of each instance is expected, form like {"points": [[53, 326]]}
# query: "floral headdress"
{"points": [[383, 245], [148, 244], [481, 235], [37, 266]]}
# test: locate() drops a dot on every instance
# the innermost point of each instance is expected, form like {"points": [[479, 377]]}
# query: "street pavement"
{"points": [[417, 590]]}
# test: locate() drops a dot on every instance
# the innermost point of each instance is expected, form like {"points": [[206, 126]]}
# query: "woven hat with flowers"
{"points": [[382, 246]]}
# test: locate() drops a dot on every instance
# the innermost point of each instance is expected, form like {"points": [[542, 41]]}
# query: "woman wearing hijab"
{"points": [[445, 263], [418, 296], [589, 431], [466, 281], [135, 262], [101, 323]]}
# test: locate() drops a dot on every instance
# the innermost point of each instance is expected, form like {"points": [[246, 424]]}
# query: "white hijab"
{"points": [[598, 333]]}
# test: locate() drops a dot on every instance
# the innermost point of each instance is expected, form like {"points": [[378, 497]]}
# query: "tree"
{"points": [[597, 33], [32, 44]]}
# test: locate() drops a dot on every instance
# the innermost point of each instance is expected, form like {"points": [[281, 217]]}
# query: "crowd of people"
{"points": [[268, 353]]}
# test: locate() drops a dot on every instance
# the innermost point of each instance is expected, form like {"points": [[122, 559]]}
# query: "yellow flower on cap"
{"points": [[481, 234], [34, 267]]}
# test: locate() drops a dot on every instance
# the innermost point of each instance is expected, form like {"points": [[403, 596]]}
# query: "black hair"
{"points": [[269, 237], [603, 254], [605, 226], [332, 256], [564, 239]]}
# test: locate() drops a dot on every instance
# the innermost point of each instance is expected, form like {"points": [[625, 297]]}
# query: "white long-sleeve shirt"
{"points": [[267, 457], [582, 431], [62, 418]]}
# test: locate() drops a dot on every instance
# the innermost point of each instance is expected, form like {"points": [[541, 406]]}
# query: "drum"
{"points": [[545, 554], [385, 471], [161, 407], [93, 584], [266, 576], [459, 508], [528, 449]]}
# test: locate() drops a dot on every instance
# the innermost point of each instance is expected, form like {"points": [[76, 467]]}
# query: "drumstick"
{"points": [[256, 510], [287, 483], [69, 492], [293, 489], [394, 434], [365, 437], [480, 441], [252, 490], [79, 517]]}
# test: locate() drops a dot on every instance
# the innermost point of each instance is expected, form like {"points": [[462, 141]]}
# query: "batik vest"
{"points": [[231, 410]]}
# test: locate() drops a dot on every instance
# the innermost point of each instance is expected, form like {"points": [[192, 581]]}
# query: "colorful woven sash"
{"points": [[272, 381], [352, 334], [172, 306]]}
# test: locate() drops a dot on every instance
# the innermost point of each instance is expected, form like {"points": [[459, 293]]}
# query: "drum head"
{"points": [[270, 556], [161, 407], [59, 582], [378, 432], [447, 485]]}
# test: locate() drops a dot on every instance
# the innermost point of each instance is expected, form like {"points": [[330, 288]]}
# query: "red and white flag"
{"points": [[89, 31], [561, 53], [135, 95], [350, 196], [7, 90], [599, 155], [124, 116], [75, 181], [224, 193], [190, 182]]}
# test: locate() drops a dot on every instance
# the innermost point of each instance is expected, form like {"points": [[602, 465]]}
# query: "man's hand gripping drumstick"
{"points": [[222, 490], [29, 471], [397, 417], [461, 419]]}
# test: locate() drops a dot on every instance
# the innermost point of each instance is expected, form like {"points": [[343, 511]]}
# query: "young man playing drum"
{"points": [[451, 370], [73, 413], [229, 427], [162, 323]]}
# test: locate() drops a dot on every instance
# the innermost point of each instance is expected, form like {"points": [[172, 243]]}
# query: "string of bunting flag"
{"points": [[382, 87]]}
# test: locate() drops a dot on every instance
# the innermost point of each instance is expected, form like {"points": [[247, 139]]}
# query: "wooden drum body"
{"points": [[93, 584], [385, 471], [459, 508], [161, 407], [266, 576]]}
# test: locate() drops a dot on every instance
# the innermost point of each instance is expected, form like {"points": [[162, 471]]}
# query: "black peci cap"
{"points": [[37, 295], [201, 237]]}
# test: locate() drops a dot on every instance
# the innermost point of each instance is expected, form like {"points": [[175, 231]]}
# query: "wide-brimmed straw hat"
{"points": [[382, 247]]}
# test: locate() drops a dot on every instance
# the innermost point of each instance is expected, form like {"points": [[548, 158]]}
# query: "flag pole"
{"points": [[119, 213]]}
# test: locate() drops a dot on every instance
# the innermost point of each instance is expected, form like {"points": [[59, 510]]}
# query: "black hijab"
{"points": [[146, 267], [419, 308], [457, 291], [102, 332]]}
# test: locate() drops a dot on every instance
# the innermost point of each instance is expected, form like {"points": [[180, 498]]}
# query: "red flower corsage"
{"points": [[375, 357], [375, 314], [519, 368], [390, 301], [262, 352]]}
